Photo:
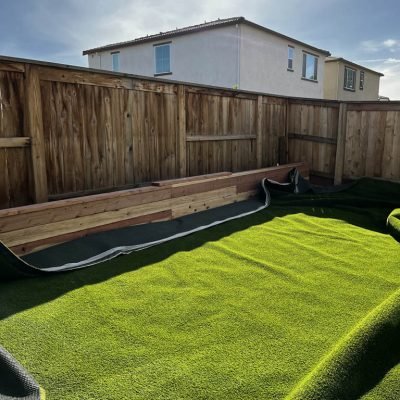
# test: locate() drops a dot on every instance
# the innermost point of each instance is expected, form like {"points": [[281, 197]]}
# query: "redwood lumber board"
{"points": [[80, 200], [44, 231], [278, 173], [169, 182], [30, 227], [63, 210], [51, 241], [36, 233]]}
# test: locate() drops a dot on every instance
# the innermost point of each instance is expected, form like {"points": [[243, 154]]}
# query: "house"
{"points": [[232, 52], [345, 80]]}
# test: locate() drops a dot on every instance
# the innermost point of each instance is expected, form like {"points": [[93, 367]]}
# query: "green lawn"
{"points": [[299, 300]]}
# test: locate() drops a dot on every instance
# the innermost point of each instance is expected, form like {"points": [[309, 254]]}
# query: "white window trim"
{"points": [[115, 53], [350, 88], [155, 59], [288, 58], [362, 81], [303, 70]]}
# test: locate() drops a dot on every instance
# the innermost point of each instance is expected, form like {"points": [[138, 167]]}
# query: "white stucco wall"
{"points": [[208, 57], [238, 56], [263, 65]]}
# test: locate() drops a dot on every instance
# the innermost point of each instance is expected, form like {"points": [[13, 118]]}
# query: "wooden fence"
{"points": [[66, 131]]}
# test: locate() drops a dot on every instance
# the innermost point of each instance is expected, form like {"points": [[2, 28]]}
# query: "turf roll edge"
{"points": [[15, 382], [360, 359], [393, 223]]}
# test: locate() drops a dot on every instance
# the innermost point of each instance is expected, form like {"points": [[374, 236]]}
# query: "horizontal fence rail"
{"points": [[68, 131]]}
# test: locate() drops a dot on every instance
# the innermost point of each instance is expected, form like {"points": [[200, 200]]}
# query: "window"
{"points": [[115, 61], [162, 55], [349, 78], [290, 58], [310, 67], [361, 80]]}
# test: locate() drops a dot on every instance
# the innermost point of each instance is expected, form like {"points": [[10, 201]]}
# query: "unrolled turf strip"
{"points": [[298, 301]]}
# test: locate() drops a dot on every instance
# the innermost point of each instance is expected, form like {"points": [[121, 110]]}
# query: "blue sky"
{"points": [[366, 32]]}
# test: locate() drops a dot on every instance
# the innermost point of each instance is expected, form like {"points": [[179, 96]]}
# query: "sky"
{"points": [[365, 32]]}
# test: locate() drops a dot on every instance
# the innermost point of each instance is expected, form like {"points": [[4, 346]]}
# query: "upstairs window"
{"points": [[349, 78], [162, 56], [362, 80], [310, 67], [115, 61], [290, 58]]}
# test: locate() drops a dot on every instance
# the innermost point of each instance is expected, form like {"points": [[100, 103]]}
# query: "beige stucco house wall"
{"points": [[334, 81], [233, 53]]}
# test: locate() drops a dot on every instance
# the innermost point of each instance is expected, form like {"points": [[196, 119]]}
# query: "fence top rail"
{"points": [[372, 102]]}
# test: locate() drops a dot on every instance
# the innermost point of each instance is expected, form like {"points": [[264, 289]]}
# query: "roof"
{"points": [[343, 60], [198, 28]]}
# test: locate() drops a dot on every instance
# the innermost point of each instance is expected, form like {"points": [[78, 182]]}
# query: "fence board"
{"points": [[372, 143], [313, 128], [220, 131], [15, 184]]}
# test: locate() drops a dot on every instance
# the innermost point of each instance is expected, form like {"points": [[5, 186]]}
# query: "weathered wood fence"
{"points": [[66, 131]]}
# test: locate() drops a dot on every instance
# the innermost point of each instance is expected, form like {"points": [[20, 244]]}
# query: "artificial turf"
{"points": [[300, 300]]}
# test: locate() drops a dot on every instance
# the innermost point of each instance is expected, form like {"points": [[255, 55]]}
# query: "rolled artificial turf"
{"points": [[300, 301], [393, 223]]}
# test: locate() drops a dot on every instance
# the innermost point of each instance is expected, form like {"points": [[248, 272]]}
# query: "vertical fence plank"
{"points": [[181, 140], [34, 129], [284, 140], [340, 146], [259, 131]]}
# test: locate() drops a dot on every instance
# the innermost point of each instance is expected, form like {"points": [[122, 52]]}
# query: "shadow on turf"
{"points": [[19, 295], [26, 293]]}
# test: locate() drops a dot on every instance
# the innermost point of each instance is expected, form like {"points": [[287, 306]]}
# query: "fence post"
{"points": [[341, 143], [259, 131], [284, 140], [181, 131], [34, 129]]}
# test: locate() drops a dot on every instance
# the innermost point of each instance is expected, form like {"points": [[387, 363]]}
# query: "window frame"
{"points": [[362, 80], [354, 79], [290, 50], [156, 46], [304, 67], [115, 55]]}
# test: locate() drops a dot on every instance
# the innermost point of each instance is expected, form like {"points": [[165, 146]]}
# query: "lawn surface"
{"points": [[300, 300]]}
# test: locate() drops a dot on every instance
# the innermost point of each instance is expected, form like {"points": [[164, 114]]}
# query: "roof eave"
{"points": [[263, 28], [157, 37], [341, 59], [238, 20]]}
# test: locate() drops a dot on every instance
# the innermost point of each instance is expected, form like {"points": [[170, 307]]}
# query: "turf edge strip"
{"points": [[359, 360]]}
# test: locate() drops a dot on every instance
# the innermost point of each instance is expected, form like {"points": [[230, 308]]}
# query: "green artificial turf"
{"points": [[301, 301]]}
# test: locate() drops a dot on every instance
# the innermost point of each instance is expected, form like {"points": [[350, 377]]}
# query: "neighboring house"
{"points": [[345, 80], [232, 52]]}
